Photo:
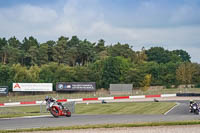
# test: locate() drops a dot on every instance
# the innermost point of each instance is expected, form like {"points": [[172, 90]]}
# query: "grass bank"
{"points": [[125, 108], [105, 126], [97, 109], [9, 112]]}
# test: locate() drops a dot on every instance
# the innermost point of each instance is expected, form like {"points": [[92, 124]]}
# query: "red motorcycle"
{"points": [[56, 108]]}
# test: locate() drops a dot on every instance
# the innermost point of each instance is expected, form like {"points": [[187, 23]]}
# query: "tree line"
{"points": [[75, 60]]}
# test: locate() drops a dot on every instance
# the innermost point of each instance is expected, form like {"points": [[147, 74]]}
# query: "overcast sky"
{"points": [[172, 24]]}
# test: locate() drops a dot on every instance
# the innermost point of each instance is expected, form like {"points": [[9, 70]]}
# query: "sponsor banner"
{"points": [[76, 86], [3, 89], [32, 86]]}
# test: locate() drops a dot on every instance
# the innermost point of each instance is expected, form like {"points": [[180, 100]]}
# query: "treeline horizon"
{"points": [[75, 60]]}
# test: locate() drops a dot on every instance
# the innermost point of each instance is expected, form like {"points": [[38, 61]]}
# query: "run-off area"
{"points": [[145, 108]]}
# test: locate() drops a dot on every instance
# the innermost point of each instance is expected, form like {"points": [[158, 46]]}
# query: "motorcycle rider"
{"points": [[56, 108], [191, 102], [51, 99], [193, 106]]}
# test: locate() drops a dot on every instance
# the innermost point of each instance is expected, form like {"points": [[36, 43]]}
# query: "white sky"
{"points": [[148, 23]]}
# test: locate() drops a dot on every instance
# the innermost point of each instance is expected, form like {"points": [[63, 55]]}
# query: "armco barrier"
{"points": [[88, 99], [188, 94]]}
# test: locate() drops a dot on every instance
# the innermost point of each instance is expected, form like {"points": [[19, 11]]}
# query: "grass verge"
{"points": [[140, 108], [95, 109], [9, 112], [105, 126]]}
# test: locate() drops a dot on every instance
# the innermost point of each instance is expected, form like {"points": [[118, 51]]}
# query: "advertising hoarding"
{"points": [[32, 86], [76, 86], [4, 90]]}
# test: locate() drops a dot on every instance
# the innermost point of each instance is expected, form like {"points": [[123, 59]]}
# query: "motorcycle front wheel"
{"points": [[196, 112], [54, 111], [68, 114]]}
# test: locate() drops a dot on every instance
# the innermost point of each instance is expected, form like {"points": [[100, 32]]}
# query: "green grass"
{"points": [[197, 122], [109, 108], [125, 108], [8, 112]]}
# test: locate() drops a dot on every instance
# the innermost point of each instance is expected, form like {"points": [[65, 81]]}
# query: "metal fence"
{"points": [[120, 89]]}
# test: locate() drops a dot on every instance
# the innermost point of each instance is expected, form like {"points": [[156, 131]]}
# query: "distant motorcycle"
{"points": [[56, 108], [194, 108], [191, 110]]}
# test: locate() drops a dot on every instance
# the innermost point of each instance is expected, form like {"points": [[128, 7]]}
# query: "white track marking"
{"points": [[177, 104], [24, 117]]}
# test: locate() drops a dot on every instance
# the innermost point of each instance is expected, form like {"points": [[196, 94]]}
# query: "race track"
{"points": [[179, 113]]}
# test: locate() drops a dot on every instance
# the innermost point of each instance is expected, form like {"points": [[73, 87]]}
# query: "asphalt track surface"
{"points": [[179, 113]]}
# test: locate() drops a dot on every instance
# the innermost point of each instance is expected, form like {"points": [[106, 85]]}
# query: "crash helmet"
{"points": [[46, 98], [191, 101]]}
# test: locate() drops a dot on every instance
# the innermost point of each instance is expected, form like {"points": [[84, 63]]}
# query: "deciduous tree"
{"points": [[185, 72]]}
